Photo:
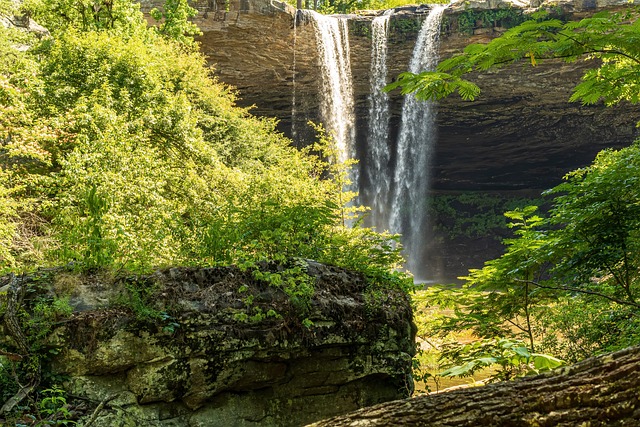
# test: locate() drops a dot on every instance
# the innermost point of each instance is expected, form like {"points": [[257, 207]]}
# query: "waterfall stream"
{"points": [[408, 209], [395, 183], [337, 107], [294, 107], [378, 155]]}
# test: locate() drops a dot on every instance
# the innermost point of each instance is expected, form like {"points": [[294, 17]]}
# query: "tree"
{"points": [[174, 21], [60, 15], [611, 38], [569, 280], [499, 299]]}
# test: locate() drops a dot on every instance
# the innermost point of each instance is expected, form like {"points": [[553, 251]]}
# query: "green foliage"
{"points": [[120, 16], [174, 21], [294, 281], [8, 223], [124, 153], [7, 7], [353, 6], [509, 358], [53, 408], [610, 37], [138, 297], [499, 299], [37, 315], [434, 85], [49, 409], [404, 28], [589, 325], [598, 212], [8, 386], [469, 20], [474, 214]]}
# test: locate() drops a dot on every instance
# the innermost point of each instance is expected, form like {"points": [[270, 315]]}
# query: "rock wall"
{"points": [[521, 136], [224, 349], [521, 133]]}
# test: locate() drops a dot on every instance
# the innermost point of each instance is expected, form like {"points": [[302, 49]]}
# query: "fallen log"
{"points": [[601, 391]]}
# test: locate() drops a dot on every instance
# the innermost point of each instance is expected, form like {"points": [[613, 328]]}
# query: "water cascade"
{"points": [[377, 173], [395, 184], [408, 206], [337, 107]]}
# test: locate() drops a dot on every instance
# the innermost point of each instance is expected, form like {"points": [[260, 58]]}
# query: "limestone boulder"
{"points": [[217, 347]]}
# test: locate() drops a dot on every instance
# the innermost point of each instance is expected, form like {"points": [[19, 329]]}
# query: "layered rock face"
{"points": [[521, 133], [230, 350], [520, 136]]}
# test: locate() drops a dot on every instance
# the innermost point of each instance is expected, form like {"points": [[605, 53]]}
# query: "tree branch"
{"points": [[582, 291]]}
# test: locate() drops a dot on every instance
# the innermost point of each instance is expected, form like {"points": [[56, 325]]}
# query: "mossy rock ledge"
{"points": [[200, 356]]}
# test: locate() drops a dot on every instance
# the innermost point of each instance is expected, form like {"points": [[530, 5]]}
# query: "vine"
{"points": [[470, 20]]}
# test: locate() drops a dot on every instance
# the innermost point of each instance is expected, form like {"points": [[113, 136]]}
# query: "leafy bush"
{"points": [[510, 358], [124, 153]]}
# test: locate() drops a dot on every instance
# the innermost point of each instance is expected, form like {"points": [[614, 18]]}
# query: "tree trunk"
{"points": [[602, 391]]}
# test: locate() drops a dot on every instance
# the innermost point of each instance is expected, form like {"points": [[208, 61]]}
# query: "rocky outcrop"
{"points": [[217, 347]]}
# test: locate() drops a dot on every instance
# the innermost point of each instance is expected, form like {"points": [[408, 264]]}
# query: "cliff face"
{"points": [[521, 133], [520, 136], [216, 347]]}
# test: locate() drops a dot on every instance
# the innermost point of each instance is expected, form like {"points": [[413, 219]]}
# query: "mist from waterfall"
{"points": [[377, 173], [337, 105], [409, 191]]}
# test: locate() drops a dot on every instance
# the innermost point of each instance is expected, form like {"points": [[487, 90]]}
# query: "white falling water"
{"points": [[337, 109], [408, 212], [378, 156]]}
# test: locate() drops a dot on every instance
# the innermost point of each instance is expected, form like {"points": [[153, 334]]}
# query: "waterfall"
{"points": [[395, 184], [377, 162], [408, 211], [337, 106]]}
